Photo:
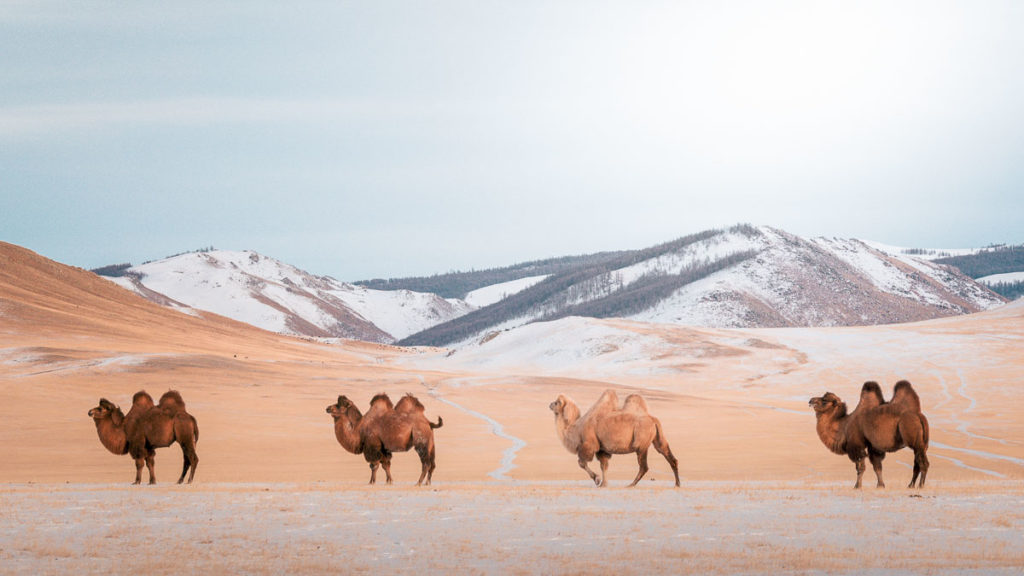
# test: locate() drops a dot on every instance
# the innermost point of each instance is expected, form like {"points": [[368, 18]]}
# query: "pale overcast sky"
{"points": [[384, 139]]}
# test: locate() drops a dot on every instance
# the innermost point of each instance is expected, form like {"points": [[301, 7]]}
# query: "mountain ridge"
{"points": [[741, 277]]}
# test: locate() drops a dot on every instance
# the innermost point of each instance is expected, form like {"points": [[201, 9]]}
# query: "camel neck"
{"points": [[112, 437], [828, 432], [348, 437], [562, 425]]}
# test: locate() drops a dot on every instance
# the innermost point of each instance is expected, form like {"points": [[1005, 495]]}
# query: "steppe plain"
{"points": [[275, 493]]}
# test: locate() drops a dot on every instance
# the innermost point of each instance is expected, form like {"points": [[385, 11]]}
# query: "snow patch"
{"points": [[497, 292]]}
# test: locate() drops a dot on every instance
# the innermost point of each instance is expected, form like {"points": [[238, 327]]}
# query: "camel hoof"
{"points": [[136, 483]]}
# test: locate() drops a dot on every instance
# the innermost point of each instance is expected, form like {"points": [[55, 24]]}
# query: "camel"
{"points": [[146, 428], [385, 429], [874, 428], [113, 426], [607, 429]]}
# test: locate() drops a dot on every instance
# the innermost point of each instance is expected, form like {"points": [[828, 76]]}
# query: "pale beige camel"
{"points": [[607, 429]]}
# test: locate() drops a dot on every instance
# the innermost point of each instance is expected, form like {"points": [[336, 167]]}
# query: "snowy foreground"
{"points": [[560, 528]]}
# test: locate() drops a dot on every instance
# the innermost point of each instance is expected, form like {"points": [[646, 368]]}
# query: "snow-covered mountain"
{"points": [[741, 277], [275, 296], [794, 281]]}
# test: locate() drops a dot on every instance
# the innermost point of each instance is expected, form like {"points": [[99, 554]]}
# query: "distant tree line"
{"points": [[648, 291], [925, 252], [993, 260], [112, 270], [1008, 290], [118, 270], [202, 250], [590, 289], [458, 284]]}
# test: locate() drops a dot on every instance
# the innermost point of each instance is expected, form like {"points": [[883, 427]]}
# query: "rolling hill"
{"points": [[745, 277]]}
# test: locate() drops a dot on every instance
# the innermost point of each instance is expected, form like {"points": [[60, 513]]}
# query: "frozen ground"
{"points": [[511, 528]]}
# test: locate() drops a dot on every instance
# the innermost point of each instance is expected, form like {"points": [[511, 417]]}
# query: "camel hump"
{"points": [[172, 402], [635, 403], [904, 396], [142, 400], [408, 404], [607, 402], [383, 399], [871, 395]]}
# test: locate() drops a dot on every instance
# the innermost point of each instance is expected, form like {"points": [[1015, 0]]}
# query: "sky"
{"points": [[389, 139]]}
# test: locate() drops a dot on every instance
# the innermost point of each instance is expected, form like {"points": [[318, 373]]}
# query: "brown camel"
{"points": [[113, 426], [607, 429], [874, 428], [385, 429], [147, 427]]}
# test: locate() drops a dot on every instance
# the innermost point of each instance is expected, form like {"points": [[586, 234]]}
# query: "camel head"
{"points": [[828, 404], [558, 406], [342, 408], [565, 410], [107, 409]]}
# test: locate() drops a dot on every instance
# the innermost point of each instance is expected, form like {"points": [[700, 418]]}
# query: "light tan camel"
{"points": [[385, 429], [147, 427], [607, 429], [874, 428]]}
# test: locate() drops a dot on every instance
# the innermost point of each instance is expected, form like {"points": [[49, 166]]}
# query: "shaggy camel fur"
{"points": [[147, 427], [113, 426], [385, 429], [874, 428], [607, 429]]}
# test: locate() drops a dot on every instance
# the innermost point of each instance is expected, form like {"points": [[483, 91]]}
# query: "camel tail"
{"points": [[195, 427], [438, 425], [924, 429]]}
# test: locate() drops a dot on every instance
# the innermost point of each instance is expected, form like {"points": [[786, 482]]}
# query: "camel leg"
{"points": [[859, 463], [373, 472], [920, 465], [427, 464], [421, 451], [195, 464], [385, 463], [191, 460], [433, 464], [593, 476], [139, 463], [641, 460], [150, 461], [603, 458], [664, 450], [876, 463], [185, 466]]}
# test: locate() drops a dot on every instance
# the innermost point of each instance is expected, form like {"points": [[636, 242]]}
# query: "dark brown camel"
{"points": [[385, 429], [607, 429], [147, 427], [113, 426], [874, 428]]}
